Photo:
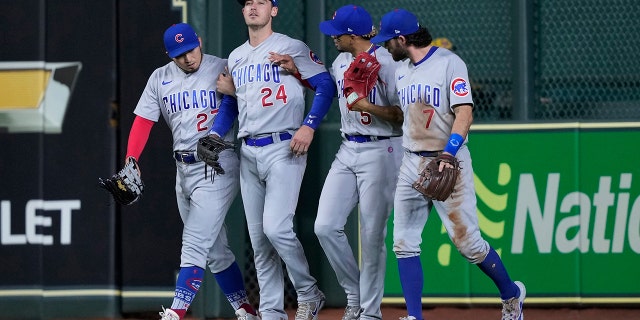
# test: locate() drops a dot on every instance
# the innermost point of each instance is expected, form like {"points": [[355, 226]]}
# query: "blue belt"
{"points": [[185, 156], [427, 154], [361, 139], [267, 140]]}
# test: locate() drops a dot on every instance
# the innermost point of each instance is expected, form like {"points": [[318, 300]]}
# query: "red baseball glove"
{"points": [[360, 78]]}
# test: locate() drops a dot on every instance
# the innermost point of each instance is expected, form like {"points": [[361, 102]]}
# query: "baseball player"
{"points": [[364, 170], [275, 137], [184, 93], [434, 93]]}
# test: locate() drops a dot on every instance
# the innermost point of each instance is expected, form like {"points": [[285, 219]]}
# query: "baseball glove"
{"points": [[126, 186], [208, 150], [360, 78], [435, 184]]}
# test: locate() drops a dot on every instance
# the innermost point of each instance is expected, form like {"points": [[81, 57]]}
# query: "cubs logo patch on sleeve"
{"points": [[315, 57], [460, 87]]}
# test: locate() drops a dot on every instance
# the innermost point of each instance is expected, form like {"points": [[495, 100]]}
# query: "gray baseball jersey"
{"points": [[270, 102], [269, 98], [363, 174], [187, 101], [383, 94], [427, 92]]}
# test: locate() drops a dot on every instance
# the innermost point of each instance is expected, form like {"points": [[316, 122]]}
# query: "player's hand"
{"points": [[301, 140], [445, 164], [225, 83], [283, 60], [360, 105], [129, 159]]}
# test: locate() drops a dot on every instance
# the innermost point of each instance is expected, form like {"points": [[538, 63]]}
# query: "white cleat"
{"points": [[168, 314], [352, 313], [309, 310], [244, 315], [512, 308]]}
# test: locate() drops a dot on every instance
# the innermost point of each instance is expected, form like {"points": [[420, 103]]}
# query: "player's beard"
{"points": [[398, 52]]}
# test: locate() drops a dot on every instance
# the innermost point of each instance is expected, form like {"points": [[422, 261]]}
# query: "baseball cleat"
{"points": [[408, 318], [244, 315], [352, 313], [512, 308], [309, 310], [168, 314]]}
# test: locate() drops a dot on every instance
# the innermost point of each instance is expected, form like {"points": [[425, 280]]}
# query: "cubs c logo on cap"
{"points": [[180, 38], [459, 87]]}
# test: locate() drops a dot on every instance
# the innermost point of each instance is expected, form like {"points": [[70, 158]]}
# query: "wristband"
{"points": [[454, 144]]}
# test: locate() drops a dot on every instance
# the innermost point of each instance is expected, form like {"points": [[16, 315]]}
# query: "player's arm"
{"points": [[325, 89], [147, 113], [322, 84], [389, 113], [138, 137], [460, 128], [461, 108], [286, 62], [227, 114], [224, 83], [392, 113]]}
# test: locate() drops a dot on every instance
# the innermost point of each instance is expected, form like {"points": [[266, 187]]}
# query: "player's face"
{"points": [[190, 61], [396, 48], [343, 42], [258, 13]]}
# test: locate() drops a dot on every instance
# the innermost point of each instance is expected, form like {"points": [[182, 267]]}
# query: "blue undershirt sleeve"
{"points": [[325, 90], [227, 113]]}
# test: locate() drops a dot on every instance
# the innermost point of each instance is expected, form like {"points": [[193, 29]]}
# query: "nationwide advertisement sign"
{"points": [[560, 203]]}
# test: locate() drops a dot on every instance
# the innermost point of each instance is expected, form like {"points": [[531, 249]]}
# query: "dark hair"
{"points": [[420, 38], [371, 34]]}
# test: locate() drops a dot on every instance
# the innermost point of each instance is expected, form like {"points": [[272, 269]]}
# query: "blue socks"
{"points": [[412, 280], [230, 281], [492, 266], [232, 285], [187, 285]]}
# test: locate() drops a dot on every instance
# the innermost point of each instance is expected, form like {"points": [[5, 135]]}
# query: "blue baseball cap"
{"points": [[273, 2], [350, 19], [180, 38], [398, 22]]}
